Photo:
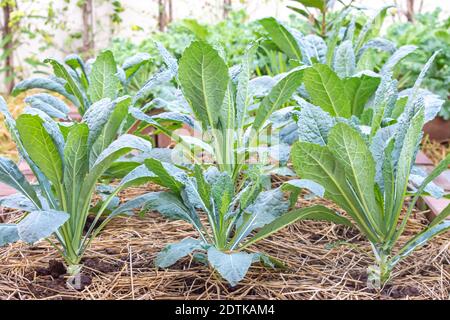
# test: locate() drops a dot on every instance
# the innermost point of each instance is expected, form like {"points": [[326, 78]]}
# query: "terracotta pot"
{"points": [[163, 141], [438, 129]]}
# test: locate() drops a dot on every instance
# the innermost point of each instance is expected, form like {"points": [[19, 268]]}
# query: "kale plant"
{"points": [[368, 174], [67, 161]]}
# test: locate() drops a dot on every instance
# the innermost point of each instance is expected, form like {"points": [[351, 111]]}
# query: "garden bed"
{"points": [[86, 131], [119, 265]]}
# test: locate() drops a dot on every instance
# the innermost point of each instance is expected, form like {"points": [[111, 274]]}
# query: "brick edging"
{"points": [[443, 180]]}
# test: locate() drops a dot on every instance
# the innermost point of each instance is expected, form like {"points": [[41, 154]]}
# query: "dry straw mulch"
{"points": [[320, 266], [15, 105], [435, 151]]}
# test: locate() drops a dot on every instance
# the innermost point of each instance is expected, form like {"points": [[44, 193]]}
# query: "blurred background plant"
{"points": [[34, 29], [430, 33]]}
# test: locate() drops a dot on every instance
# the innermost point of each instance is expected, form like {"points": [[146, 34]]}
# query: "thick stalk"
{"points": [[66, 230], [226, 8], [380, 274], [162, 16], [81, 221], [88, 27], [324, 24], [8, 47], [74, 268], [213, 225]]}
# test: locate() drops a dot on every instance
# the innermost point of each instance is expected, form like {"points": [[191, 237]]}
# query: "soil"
{"points": [[323, 261], [97, 265], [402, 292], [55, 278], [90, 221]]}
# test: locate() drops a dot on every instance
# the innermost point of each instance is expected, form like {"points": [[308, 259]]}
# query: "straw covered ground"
{"points": [[119, 265], [7, 146], [435, 151], [16, 105]]}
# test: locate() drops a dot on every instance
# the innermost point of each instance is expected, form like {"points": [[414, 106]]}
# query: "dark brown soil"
{"points": [[96, 264], [47, 287], [55, 269], [90, 221], [53, 278], [402, 292]]}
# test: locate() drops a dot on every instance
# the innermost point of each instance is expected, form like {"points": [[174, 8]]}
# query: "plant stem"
{"points": [[381, 273], [324, 24], [74, 269]]}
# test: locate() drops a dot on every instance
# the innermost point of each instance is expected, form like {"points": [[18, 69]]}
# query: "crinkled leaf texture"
{"points": [[112, 127], [344, 60], [18, 201], [104, 81], [267, 206], [43, 83], [169, 60], [231, 266], [49, 104], [314, 124], [432, 102], [261, 86], [132, 64], [310, 185], [8, 234], [175, 251], [155, 80], [203, 76], [313, 48], [40, 224], [398, 55], [97, 116], [377, 43]]}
